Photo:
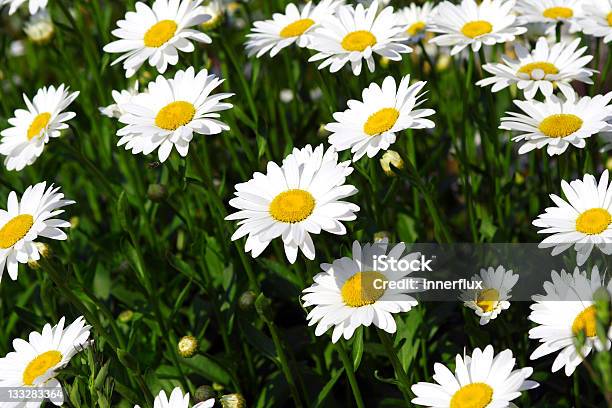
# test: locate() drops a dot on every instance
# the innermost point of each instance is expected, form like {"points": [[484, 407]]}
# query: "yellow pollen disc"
{"points": [[477, 28], [15, 229], [416, 28], [475, 395], [560, 125], [358, 40], [174, 115], [363, 288], [487, 299], [160, 33], [546, 67], [40, 365], [586, 322], [594, 221], [38, 124], [297, 28], [558, 13], [609, 18], [381, 121], [292, 206]]}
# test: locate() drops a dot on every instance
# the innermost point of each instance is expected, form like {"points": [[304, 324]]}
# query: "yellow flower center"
{"points": [[416, 28], [38, 124], [297, 28], [475, 395], [174, 115], [160, 33], [558, 13], [477, 28], [363, 288], [560, 125], [609, 18], [358, 40], [546, 67], [15, 229], [594, 221], [487, 299], [40, 365], [586, 322], [292, 206], [381, 121]]}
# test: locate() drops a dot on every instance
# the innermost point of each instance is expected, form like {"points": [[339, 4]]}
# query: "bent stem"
{"points": [[400, 373], [350, 373]]}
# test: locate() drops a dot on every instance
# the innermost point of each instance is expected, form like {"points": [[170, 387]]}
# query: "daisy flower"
{"points": [[301, 197], [489, 301], [121, 98], [479, 381], [294, 26], [541, 69], [23, 222], [370, 125], [471, 24], [36, 362], [352, 292], [597, 19], [558, 123], [157, 34], [33, 5], [44, 118], [416, 18], [584, 220], [550, 12], [565, 311], [354, 34], [171, 111], [178, 400]]}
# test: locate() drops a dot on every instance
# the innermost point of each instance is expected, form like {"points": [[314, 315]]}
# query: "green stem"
{"points": [[284, 363], [349, 368], [400, 373]]}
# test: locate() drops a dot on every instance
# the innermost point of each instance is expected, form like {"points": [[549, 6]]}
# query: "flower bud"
{"points": [[233, 401], [187, 346], [204, 393], [391, 157], [247, 300], [157, 192], [125, 316]]}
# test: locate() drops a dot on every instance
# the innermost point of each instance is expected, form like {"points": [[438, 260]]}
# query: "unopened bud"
{"points": [[187, 346], [157, 192], [247, 300], [233, 401], [125, 316], [391, 157], [204, 393]]}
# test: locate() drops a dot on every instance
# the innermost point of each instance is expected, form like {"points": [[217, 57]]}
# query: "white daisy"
{"points": [[351, 292], [489, 301], [416, 18], [178, 400], [550, 12], [33, 5], [301, 197], [36, 362], [23, 222], [370, 125], [32, 129], [584, 220], [121, 98], [171, 111], [157, 34], [541, 69], [566, 310], [483, 380], [558, 123], [354, 34], [597, 19], [294, 26], [471, 24]]}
